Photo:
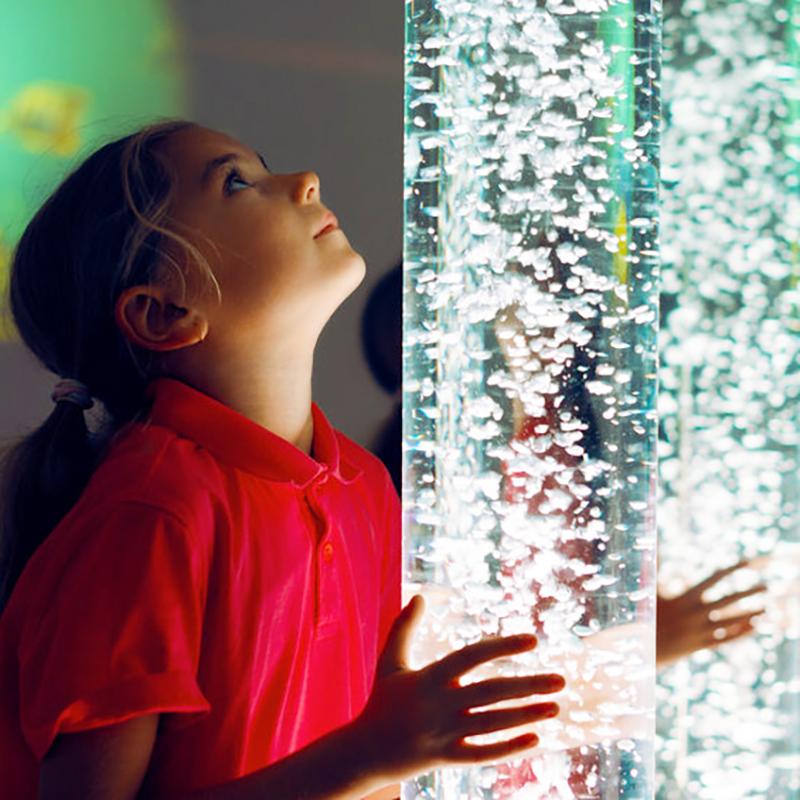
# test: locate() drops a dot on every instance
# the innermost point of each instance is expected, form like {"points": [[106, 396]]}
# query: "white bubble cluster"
{"points": [[730, 386], [531, 170]]}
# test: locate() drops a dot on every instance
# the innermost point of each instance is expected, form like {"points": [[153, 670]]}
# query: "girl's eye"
{"points": [[233, 177]]}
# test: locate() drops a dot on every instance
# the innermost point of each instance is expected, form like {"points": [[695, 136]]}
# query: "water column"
{"points": [[730, 386], [530, 320]]}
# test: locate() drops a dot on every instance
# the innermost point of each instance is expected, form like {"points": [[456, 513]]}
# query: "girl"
{"points": [[202, 593]]}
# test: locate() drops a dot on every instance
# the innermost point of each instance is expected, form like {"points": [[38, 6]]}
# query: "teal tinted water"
{"points": [[729, 722], [530, 314]]}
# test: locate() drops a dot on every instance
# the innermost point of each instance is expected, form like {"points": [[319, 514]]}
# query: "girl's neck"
{"points": [[276, 395]]}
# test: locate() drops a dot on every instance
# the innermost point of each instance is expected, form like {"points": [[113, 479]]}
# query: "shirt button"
{"points": [[327, 552]]}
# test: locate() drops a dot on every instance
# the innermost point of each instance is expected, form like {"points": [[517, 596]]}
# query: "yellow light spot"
{"points": [[46, 117], [8, 331], [621, 256]]}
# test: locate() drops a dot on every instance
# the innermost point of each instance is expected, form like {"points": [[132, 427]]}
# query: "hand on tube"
{"points": [[417, 720], [687, 623]]}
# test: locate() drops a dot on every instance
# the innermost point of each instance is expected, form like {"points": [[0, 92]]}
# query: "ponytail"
{"points": [[42, 477]]}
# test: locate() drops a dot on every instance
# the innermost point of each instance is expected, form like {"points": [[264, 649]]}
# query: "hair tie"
{"points": [[72, 391]]}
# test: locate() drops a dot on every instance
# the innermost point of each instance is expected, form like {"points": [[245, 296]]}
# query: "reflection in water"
{"points": [[729, 721], [531, 247]]}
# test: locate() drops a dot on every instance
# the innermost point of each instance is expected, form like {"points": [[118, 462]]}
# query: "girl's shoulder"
{"points": [[145, 496], [373, 482], [151, 465]]}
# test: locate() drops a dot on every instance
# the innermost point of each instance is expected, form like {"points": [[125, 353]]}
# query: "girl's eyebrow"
{"points": [[212, 166]]}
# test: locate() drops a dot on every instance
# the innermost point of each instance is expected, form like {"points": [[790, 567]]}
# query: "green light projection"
{"points": [[73, 74]]}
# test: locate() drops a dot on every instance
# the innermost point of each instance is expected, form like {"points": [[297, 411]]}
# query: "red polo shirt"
{"points": [[212, 572]]}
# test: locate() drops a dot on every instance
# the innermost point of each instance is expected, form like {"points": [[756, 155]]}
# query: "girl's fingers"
{"points": [[716, 577], [497, 751], [503, 718], [735, 597], [494, 690], [730, 622], [454, 665], [727, 630], [745, 629], [395, 652]]}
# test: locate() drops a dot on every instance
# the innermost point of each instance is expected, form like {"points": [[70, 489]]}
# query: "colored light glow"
{"points": [[74, 75]]}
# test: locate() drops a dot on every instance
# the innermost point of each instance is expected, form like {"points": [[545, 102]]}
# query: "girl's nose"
{"points": [[306, 187]]}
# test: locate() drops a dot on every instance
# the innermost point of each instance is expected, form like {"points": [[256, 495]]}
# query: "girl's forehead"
{"points": [[191, 148]]}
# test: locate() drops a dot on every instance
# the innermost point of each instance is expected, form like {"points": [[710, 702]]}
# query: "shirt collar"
{"points": [[240, 442]]}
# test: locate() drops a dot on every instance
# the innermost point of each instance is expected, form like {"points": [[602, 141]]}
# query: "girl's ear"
{"points": [[147, 318]]}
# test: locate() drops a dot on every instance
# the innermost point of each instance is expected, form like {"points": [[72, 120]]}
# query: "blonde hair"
{"points": [[153, 217]]}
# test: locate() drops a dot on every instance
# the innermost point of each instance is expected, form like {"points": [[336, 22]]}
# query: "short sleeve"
{"points": [[119, 634], [392, 562]]}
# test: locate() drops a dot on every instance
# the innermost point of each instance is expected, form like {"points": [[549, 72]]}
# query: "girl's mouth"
{"points": [[330, 223]]}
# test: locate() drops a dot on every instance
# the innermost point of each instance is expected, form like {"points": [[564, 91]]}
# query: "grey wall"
{"points": [[313, 85]]}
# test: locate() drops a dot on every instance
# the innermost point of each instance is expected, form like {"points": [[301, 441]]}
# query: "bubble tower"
{"points": [[530, 318]]}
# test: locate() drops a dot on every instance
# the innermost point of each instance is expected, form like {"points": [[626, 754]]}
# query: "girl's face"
{"points": [[277, 277]]}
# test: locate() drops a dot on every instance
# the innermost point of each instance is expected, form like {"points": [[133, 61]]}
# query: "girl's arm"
{"points": [[109, 763], [414, 721], [104, 763], [392, 792]]}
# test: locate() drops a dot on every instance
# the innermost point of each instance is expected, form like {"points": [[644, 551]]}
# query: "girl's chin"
{"points": [[351, 277], [355, 264], [359, 271]]}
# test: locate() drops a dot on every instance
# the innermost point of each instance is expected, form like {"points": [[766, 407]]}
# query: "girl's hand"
{"points": [[687, 623], [416, 720]]}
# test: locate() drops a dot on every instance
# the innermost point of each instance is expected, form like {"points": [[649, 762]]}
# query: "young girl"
{"points": [[202, 594]]}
